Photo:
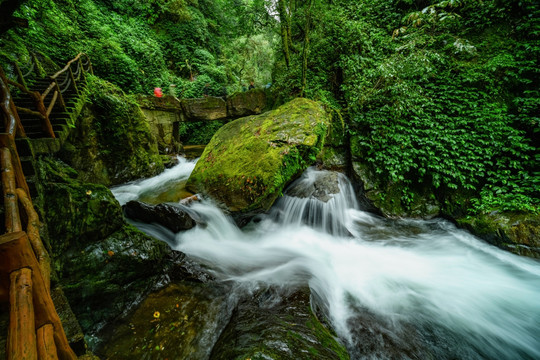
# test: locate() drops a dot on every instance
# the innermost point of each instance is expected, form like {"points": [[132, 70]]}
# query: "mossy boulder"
{"points": [[111, 143], [516, 232], [103, 264], [249, 161]]}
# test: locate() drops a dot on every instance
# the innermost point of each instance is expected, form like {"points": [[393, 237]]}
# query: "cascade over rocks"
{"points": [[322, 188], [174, 217], [249, 161]]}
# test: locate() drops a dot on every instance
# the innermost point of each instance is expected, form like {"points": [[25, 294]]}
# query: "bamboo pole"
{"points": [[22, 331], [45, 343]]}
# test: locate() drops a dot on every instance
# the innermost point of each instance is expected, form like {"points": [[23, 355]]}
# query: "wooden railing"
{"points": [[35, 330], [62, 81]]}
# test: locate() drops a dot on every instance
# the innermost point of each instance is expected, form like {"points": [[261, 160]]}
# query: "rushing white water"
{"points": [[405, 287], [156, 185]]}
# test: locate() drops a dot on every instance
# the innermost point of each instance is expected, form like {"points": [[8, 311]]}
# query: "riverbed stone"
{"points": [[249, 161], [174, 217], [276, 325], [181, 321], [323, 188]]}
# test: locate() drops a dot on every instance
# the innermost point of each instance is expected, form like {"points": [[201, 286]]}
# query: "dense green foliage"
{"points": [[433, 94], [139, 45], [441, 93]]}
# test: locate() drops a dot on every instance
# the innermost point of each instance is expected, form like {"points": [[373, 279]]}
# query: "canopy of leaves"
{"points": [[440, 93], [139, 45]]}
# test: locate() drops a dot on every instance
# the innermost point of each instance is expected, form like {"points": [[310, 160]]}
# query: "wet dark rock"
{"points": [[174, 217], [104, 265], [70, 324], [189, 270], [181, 321], [326, 184], [273, 325]]}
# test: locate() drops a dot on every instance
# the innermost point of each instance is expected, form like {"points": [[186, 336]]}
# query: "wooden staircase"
{"points": [[39, 113]]}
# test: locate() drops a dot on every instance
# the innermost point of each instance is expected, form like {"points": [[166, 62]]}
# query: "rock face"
{"points": [[208, 108], [111, 143], [174, 217], [249, 161], [163, 126], [517, 233], [103, 264], [246, 103], [202, 320], [322, 188]]}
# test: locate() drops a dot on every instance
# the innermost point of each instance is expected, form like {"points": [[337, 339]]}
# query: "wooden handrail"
{"points": [[51, 105], [22, 253], [47, 91], [67, 66]]}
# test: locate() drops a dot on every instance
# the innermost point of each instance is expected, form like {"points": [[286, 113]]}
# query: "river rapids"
{"points": [[388, 287]]}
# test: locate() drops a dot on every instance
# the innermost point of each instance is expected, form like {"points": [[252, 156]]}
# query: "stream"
{"points": [[389, 288]]}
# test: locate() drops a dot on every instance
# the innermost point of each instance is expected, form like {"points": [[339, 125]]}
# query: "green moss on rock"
{"points": [[103, 264], [112, 142], [249, 161], [516, 232]]}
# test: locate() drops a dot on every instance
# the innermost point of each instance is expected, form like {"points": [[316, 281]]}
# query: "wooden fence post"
{"points": [[22, 329]]}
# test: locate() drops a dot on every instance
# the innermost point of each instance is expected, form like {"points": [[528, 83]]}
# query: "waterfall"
{"points": [[390, 288]]}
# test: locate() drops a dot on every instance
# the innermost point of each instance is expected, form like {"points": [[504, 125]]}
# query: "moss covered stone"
{"points": [[249, 161], [111, 143], [516, 232], [103, 264]]}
